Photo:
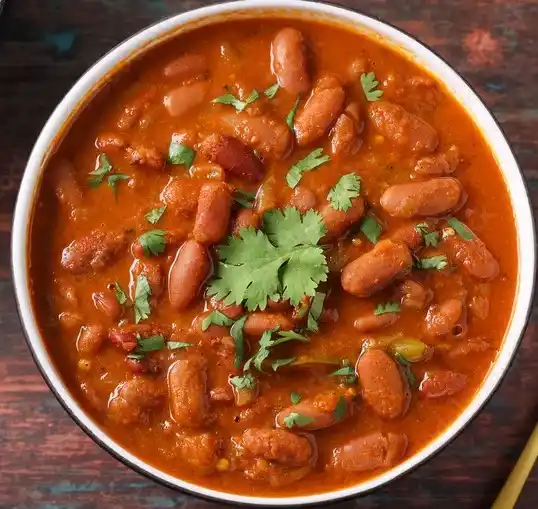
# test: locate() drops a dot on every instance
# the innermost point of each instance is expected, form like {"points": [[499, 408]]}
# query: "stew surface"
{"points": [[273, 257]]}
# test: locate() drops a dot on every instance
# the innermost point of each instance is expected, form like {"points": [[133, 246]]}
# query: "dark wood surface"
{"points": [[46, 461]]}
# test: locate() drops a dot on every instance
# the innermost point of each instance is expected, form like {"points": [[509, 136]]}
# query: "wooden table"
{"points": [[46, 461]]}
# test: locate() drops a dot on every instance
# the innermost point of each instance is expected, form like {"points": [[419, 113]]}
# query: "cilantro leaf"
{"points": [[316, 307], [285, 261], [120, 294], [136, 356], [434, 262], [348, 372], [340, 409], [406, 366], [389, 307], [103, 168], [297, 420], [246, 381], [290, 117], [236, 331], [271, 91], [176, 345], [369, 85], [154, 215], [371, 229], [430, 238], [178, 153], [239, 105], [113, 180], [295, 398], [244, 198], [142, 309], [216, 318], [150, 344], [282, 362], [311, 161], [460, 229], [341, 194], [153, 242]]}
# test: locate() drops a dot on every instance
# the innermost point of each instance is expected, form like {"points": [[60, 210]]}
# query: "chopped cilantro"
{"points": [[244, 198], [406, 366], [295, 398], [434, 262], [371, 229], [341, 194], [290, 117], [113, 180], [178, 153], [236, 331], [282, 362], [153, 242], [460, 229], [389, 307], [316, 307], [103, 168], [142, 309], [246, 381], [340, 409], [176, 345], [271, 91], [154, 215], [430, 238], [239, 105], [136, 356], [348, 372], [216, 318], [285, 259], [311, 161], [150, 344], [369, 85], [297, 420], [120, 294]]}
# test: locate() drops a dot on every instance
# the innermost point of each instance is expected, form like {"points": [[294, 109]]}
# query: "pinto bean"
{"points": [[187, 391], [232, 311], [303, 199], [371, 322], [382, 385], [376, 269], [245, 218], [259, 322], [472, 255], [345, 133], [409, 235], [146, 156], [320, 111], [93, 252], [370, 452], [289, 61], [188, 272], [271, 138], [413, 295], [132, 400], [320, 410], [443, 318], [233, 156], [402, 128], [107, 303], [186, 67], [278, 445], [181, 195], [154, 273], [200, 452], [439, 164], [90, 338], [441, 383], [183, 99], [338, 221], [213, 214], [435, 197]]}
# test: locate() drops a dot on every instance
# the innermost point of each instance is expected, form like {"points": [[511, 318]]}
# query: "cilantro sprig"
{"points": [[121, 297], [271, 91], [316, 307], [104, 169], [439, 262], [153, 242], [141, 306], [246, 381], [179, 153], [216, 318], [369, 86], [237, 103], [290, 117], [460, 229], [431, 238], [388, 307], [371, 229], [311, 161], [244, 198], [155, 214], [341, 194], [297, 420]]}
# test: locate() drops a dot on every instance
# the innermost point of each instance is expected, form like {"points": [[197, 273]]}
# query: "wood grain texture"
{"points": [[46, 462]]}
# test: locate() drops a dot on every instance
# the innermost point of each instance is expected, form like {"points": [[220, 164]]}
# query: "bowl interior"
{"points": [[140, 43]]}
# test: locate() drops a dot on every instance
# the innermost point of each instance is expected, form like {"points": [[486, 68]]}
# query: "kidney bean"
{"points": [[376, 269], [135, 109], [124, 339], [289, 61], [465, 347], [279, 305], [479, 307], [267, 197], [213, 213], [137, 366], [93, 252], [402, 128], [232, 311], [435, 197], [271, 138], [259, 322], [154, 273], [338, 221], [145, 156], [472, 255], [200, 452], [181, 195], [345, 133], [183, 99], [66, 187], [90, 338], [186, 67], [187, 391], [206, 171], [233, 156], [320, 409], [409, 235], [108, 142], [320, 111], [69, 320], [382, 385], [188, 272], [441, 383], [371, 322], [443, 318], [303, 199], [413, 295], [370, 452], [245, 218], [439, 164], [107, 303], [278, 445], [213, 331]]}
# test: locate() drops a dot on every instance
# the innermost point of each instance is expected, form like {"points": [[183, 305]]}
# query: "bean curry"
{"points": [[273, 257]]}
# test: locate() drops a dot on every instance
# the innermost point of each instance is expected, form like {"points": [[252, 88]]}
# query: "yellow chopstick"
{"points": [[514, 484]]}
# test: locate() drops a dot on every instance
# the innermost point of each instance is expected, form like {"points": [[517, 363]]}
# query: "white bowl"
{"points": [[386, 34]]}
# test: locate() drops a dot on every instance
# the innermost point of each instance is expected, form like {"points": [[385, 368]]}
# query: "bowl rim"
{"points": [[137, 44]]}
